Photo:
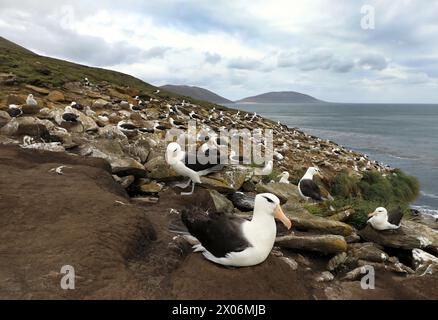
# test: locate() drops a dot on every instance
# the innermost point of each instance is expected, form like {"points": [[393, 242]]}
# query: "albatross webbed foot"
{"points": [[183, 185], [191, 192]]}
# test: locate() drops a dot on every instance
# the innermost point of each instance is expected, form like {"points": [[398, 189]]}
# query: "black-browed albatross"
{"points": [[233, 241], [381, 220], [180, 161], [307, 187]]}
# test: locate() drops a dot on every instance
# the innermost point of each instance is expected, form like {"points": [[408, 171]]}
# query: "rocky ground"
{"points": [[107, 212]]}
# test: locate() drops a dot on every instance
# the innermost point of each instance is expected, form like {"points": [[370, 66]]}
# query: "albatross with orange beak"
{"points": [[233, 241], [381, 220]]}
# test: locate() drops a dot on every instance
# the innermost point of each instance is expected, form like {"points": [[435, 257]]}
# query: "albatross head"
{"points": [[284, 174], [380, 213], [270, 204], [313, 171], [173, 153]]}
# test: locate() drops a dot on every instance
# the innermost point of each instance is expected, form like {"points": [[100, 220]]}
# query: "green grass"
{"points": [[30, 68], [372, 191]]}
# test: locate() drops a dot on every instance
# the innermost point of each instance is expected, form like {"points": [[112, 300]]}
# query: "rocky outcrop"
{"points": [[285, 192], [220, 202], [75, 219], [303, 220], [112, 151], [327, 244], [410, 235]]}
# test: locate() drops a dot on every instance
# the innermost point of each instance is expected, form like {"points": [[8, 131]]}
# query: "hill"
{"points": [[29, 68], [280, 97], [196, 93]]}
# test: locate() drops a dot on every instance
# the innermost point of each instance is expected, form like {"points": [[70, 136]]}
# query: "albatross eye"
{"points": [[269, 200]]}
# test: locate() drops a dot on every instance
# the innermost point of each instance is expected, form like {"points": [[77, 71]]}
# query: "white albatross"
{"points": [[381, 220], [184, 165], [233, 241], [31, 101], [284, 177], [308, 188]]}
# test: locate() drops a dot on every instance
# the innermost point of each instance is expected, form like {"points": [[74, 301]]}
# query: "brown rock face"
{"points": [[56, 96], [50, 220], [14, 99]]}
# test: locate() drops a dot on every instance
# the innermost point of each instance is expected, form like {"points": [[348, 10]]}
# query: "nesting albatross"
{"points": [[307, 187], [381, 220], [233, 241], [181, 162]]}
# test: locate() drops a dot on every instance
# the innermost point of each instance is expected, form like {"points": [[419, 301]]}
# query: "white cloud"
{"points": [[240, 48]]}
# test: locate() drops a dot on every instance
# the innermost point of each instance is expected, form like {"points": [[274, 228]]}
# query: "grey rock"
{"points": [[337, 261], [220, 202], [327, 244], [410, 235]]}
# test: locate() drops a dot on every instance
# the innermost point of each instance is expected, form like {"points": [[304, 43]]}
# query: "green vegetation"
{"points": [[372, 191], [30, 68], [272, 176]]}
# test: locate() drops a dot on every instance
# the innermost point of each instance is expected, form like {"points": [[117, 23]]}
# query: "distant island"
{"points": [[268, 97], [196, 93], [280, 97]]}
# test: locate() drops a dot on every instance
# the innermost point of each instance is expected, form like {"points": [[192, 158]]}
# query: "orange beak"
{"points": [[371, 214], [279, 214]]}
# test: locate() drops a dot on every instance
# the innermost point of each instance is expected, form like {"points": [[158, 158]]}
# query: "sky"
{"points": [[335, 50]]}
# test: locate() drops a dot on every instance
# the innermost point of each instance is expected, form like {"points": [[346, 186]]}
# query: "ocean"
{"points": [[403, 136]]}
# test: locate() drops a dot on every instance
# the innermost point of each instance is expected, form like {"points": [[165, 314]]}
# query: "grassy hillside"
{"points": [[196, 93], [34, 69], [30, 68]]}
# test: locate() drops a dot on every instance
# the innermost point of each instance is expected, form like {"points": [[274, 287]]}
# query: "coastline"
{"points": [[355, 143]]}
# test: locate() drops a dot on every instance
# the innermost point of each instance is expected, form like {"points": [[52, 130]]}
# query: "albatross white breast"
{"points": [[233, 241], [181, 162], [381, 220], [307, 187]]}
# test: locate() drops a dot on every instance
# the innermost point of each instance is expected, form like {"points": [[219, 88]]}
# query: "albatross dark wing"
{"points": [[212, 164], [310, 189], [219, 233], [395, 216]]}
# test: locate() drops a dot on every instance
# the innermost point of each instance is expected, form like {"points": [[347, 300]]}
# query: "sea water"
{"points": [[403, 136]]}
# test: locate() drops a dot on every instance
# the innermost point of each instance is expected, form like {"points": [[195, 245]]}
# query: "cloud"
{"points": [[244, 64], [309, 46], [317, 60], [212, 58], [373, 61]]}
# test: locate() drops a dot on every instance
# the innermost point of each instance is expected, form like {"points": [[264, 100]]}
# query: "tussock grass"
{"points": [[373, 190]]}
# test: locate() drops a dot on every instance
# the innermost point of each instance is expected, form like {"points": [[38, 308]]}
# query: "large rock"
{"points": [[37, 89], [157, 168], [422, 259], [111, 150], [100, 103], [56, 96], [283, 191], [15, 99], [304, 220], [30, 109], [4, 118], [327, 244], [367, 251], [228, 180], [38, 130], [90, 229], [409, 236], [220, 202], [26, 126]]}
